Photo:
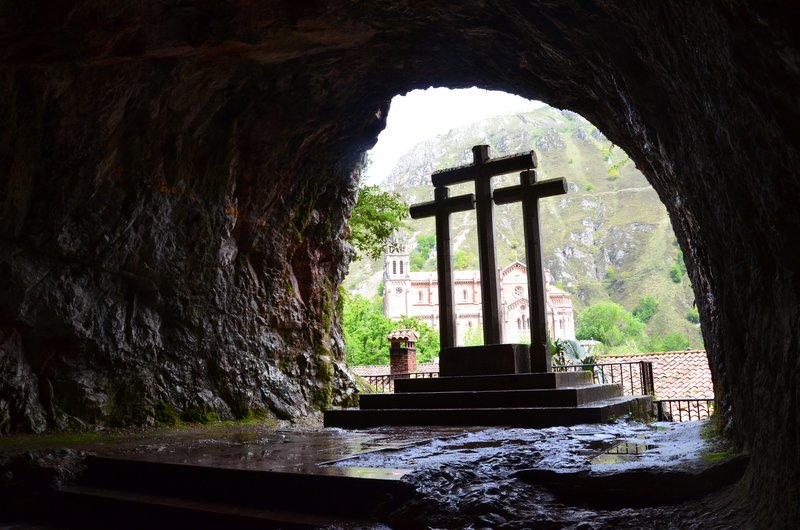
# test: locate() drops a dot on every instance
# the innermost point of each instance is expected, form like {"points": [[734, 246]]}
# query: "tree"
{"points": [[474, 336], [671, 342], [645, 309], [365, 330], [693, 315], [609, 323], [377, 215], [422, 251], [462, 261], [427, 338]]}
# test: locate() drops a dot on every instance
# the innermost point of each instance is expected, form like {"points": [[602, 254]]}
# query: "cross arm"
{"points": [[544, 188], [459, 203], [495, 166]]}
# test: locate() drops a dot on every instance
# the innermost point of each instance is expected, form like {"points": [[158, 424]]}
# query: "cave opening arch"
{"points": [[428, 130]]}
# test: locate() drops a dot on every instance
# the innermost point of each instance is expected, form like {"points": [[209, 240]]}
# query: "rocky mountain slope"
{"points": [[609, 238]]}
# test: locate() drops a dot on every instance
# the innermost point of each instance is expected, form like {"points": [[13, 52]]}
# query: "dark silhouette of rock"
{"points": [[175, 179], [636, 487]]}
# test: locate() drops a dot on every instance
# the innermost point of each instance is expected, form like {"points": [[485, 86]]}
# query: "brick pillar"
{"points": [[402, 351]]}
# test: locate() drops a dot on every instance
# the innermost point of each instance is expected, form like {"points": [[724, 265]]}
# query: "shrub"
{"points": [[645, 309]]}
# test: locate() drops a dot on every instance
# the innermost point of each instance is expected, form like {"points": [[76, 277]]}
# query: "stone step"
{"points": [[556, 397], [541, 380], [531, 417], [322, 490], [125, 509]]}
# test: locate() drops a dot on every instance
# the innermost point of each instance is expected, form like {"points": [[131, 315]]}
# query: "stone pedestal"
{"points": [[485, 360]]}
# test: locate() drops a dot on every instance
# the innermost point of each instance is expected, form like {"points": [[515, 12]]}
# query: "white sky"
{"points": [[422, 114]]}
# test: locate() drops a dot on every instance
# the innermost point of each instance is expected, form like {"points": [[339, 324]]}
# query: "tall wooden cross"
{"points": [[529, 191], [441, 207], [481, 172]]}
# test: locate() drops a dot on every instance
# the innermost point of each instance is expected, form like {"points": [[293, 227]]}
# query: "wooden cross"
{"points": [[441, 207], [529, 192], [481, 172]]}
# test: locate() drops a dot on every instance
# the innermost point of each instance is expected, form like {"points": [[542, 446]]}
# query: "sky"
{"points": [[422, 114]]}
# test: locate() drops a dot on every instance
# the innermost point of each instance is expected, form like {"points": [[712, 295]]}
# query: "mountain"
{"points": [[609, 238]]}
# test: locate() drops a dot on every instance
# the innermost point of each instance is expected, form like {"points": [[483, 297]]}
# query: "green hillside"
{"points": [[609, 238]]}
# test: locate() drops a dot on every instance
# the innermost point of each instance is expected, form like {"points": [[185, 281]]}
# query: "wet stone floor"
{"points": [[461, 478]]}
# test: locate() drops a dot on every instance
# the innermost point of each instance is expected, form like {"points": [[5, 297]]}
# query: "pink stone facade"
{"points": [[415, 294]]}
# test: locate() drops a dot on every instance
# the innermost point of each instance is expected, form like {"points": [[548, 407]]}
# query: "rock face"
{"points": [[175, 179]]}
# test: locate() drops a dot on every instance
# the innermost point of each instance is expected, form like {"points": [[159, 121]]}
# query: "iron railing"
{"points": [[634, 377], [379, 384], [685, 409]]}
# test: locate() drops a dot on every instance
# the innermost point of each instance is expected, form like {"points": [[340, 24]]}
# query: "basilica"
{"points": [[415, 294]]}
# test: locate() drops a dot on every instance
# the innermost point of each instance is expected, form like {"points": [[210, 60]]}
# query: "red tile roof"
{"points": [[383, 369], [677, 374]]}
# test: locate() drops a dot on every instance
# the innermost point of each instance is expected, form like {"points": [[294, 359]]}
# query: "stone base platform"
{"points": [[532, 400], [485, 360]]}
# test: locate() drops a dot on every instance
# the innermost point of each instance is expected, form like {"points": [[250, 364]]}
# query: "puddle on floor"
{"points": [[622, 452]]}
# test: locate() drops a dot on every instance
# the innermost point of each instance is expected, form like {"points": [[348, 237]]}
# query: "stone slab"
{"points": [[561, 397], [495, 382], [528, 417], [485, 360]]}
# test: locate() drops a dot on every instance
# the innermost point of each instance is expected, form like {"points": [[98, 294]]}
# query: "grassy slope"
{"points": [[609, 239]]}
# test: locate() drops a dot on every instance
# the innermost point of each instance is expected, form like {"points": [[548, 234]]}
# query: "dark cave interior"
{"points": [[176, 179]]}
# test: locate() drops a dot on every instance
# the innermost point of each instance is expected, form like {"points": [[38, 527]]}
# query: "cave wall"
{"points": [[175, 180]]}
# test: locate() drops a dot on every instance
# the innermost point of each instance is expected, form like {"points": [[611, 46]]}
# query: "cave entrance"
{"points": [[608, 245]]}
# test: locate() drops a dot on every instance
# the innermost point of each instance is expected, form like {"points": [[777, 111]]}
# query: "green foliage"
{"points": [[463, 261], [365, 331], [377, 215], [257, 416], [422, 252], [569, 351], [589, 187], [607, 149], [678, 270], [427, 341], [670, 342], [609, 323], [675, 274], [474, 336], [202, 414], [693, 315], [166, 415], [611, 274], [645, 309]]}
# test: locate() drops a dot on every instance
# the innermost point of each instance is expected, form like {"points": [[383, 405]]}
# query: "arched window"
{"points": [[401, 267], [464, 294], [420, 295], [519, 324], [394, 267]]}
